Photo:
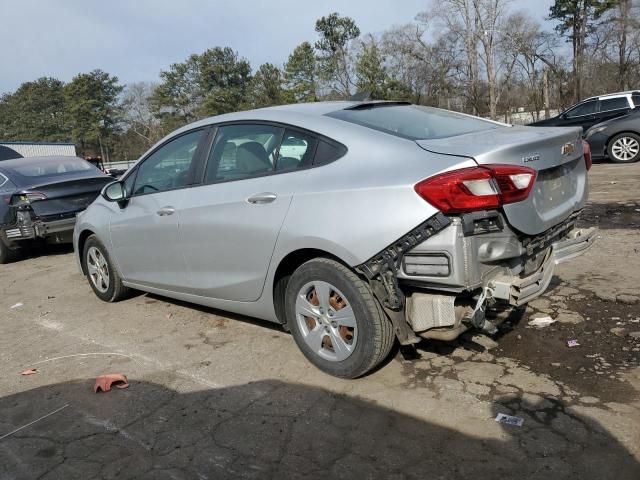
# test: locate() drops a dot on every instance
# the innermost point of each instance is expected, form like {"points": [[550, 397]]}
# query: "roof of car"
{"points": [[615, 94]]}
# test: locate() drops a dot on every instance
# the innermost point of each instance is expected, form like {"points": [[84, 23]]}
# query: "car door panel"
{"points": [[228, 239], [144, 231], [145, 240]]}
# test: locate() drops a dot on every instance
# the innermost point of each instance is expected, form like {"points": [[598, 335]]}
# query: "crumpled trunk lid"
{"points": [[561, 185], [67, 197]]}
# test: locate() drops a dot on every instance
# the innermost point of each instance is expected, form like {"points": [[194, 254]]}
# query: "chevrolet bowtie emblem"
{"points": [[568, 148]]}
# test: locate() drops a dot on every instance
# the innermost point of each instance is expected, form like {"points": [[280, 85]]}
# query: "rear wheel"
{"points": [[624, 148], [335, 319], [101, 272]]}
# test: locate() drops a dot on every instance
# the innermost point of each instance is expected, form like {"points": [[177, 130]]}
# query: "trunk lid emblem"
{"points": [[530, 158], [568, 148]]}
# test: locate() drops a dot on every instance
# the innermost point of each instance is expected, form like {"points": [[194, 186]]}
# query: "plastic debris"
{"points": [[573, 343], [17, 305], [29, 371], [104, 382], [509, 420], [541, 322]]}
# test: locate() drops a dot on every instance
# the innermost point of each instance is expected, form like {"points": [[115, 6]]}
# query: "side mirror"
{"points": [[114, 192]]}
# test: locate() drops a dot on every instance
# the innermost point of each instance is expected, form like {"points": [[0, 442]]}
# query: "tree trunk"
{"points": [[545, 90]]}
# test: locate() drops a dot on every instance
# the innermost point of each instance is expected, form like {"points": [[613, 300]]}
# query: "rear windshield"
{"points": [[53, 167], [415, 122]]}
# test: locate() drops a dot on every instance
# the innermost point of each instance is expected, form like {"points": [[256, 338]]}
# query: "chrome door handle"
{"points": [[165, 211], [262, 198]]}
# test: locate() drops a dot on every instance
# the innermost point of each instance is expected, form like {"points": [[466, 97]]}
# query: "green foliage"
{"points": [[300, 74], [574, 15], [211, 83], [333, 58], [371, 73], [266, 86], [92, 110], [35, 111]]}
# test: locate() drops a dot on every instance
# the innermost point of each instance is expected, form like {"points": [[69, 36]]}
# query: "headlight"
{"points": [[593, 131]]}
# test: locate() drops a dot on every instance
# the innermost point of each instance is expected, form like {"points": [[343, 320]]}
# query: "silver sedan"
{"points": [[353, 224]]}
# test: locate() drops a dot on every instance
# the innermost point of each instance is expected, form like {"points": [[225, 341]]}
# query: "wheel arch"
{"points": [[82, 239], [287, 265]]}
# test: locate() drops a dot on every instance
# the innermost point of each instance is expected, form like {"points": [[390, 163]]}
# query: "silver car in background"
{"points": [[352, 224]]}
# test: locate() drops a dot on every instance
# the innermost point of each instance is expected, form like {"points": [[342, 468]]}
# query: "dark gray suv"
{"points": [[594, 110]]}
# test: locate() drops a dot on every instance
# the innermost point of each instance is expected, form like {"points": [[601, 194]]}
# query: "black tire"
{"points": [[6, 254], [375, 336], [115, 290], [615, 157]]}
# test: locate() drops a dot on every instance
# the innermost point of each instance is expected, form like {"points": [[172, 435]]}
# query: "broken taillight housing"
{"points": [[477, 188], [27, 198], [586, 151]]}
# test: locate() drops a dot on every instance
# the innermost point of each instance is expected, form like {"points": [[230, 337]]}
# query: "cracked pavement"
{"points": [[214, 395]]}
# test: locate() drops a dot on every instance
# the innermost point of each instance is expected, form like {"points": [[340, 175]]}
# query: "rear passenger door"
{"points": [[229, 225]]}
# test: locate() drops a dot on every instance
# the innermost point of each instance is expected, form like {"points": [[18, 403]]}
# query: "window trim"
{"points": [[194, 167], [600, 101], [285, 127], [597, 102]]}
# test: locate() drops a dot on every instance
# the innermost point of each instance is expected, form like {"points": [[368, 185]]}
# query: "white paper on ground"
{"points": [[541, 322], [509, 420]]}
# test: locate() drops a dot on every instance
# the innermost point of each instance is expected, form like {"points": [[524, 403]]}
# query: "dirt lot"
{"points": [[220, 396]]}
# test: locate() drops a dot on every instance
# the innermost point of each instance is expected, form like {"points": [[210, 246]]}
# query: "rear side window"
{"points": [[414, 122], [5, 184], [328, 152], [636, 99], [613, 104]]}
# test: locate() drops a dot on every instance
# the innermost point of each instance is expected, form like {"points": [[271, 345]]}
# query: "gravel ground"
{"points": [[214, 395]]}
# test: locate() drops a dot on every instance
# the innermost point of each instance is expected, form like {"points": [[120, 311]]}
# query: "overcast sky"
{"points": [[135, 39]]}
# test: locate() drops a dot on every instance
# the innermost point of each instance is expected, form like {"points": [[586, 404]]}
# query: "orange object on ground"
{"points": [[30, 371], [104, 382]]}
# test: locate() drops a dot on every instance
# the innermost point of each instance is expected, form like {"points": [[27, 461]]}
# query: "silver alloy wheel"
{"points": [[625, 148], [326, 321], [98, 269]]}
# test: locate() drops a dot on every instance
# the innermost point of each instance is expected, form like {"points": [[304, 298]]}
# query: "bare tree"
{"points": [[137, 114]]}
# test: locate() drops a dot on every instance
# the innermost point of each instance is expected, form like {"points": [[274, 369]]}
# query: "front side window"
{"points": [[243, 151], [617, 103], [296, 150], [168, 167], [586, 108], [414, 122]]}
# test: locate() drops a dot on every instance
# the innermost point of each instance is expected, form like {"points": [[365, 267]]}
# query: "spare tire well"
{"points": [[285, 269]]}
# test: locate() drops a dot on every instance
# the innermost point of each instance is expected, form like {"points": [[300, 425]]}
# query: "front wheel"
{"points": [[335, 319], [101, 272], [624, 148]]}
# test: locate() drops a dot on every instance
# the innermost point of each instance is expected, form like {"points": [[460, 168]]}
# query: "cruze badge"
{"points": [[568, 149], [530, 158]]}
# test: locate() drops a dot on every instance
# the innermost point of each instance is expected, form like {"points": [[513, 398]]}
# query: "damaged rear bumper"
{"points": [[27, 228], [519, 291]]}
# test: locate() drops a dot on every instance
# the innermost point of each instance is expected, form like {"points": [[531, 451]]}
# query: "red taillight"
{"points": [[477, 188], [586, 150]]}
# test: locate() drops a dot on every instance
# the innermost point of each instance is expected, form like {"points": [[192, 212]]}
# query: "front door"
{"points": [[144, 233]]}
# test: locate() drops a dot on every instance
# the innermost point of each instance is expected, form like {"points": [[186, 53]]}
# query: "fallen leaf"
{"points": [[104, 382], [30, 371]]}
